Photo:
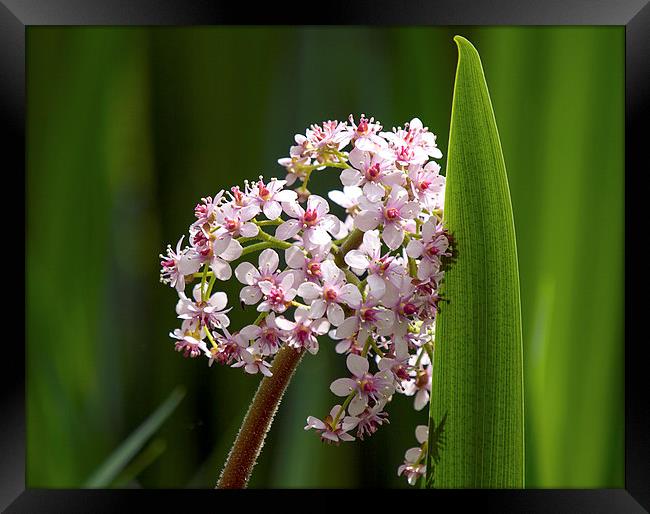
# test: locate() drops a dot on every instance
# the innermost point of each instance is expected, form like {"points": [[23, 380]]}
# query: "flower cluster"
{"points": [[369, 279]]}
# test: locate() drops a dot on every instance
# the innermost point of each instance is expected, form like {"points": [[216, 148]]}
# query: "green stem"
{"points": [[265, 223], [354, 239], [342, 408], [213, 279], [352, 278], [376, 348], [257, 422], [256, 247], [270, 239], [206, 267]]}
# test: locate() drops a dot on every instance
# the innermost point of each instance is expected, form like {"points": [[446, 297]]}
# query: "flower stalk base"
{"points": [[258, 419]]}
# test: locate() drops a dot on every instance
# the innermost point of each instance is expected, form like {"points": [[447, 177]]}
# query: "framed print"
{"points": [[385, 248]]}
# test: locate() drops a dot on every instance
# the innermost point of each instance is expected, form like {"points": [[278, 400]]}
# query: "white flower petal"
{"points": [[357, 365], [415, 248], [367, 220], [250, 295], [373, 191], [347, 328], [421, 399], [309, 290], [294, 257], [350, 177], [269, 260], [285, 196], [219, 301], [316, 423], [343, 386], [249, 230], [318, 235], [246, 273], [272, 209], [377, 286], [335, 314], [356, 259], [320, 326], [392, 236], [317, 309], [350, 295], [422, 433], [284, 324], [266, 286], [220, 268], [233, 251], [410, 210], [357, 405], [287, 230]]}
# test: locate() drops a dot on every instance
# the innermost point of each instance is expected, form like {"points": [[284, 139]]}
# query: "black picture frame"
{"points": [[16, 15]]}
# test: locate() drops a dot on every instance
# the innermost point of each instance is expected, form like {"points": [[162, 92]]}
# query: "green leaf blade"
{"points": [[477, 383], [125, 452]]}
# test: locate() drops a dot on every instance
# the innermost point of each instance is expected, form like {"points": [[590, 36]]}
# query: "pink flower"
{"points": [[368, 317], [326, 297], [414, 464], [433, 245], [330, 431], [392, 191], [427, 185], [420, 386], [382, 271], [391, 215], [427, 298], [368, 387], [319, 140], [304, 267], [401, 301], [371, 419], [304, 331], [223, 250], [248, 274], [253, 363], [398, 365], [348, 344], [268, 337], [365, 134], [372, 172], [177, 264], [189, 340], [413, 144], [236, 221], [224, 353], [205, 211], [277, 294], [349, 200], [229, 346], [240, 199], [208, 313], [295, 167], [315, 222], [269, 197]]}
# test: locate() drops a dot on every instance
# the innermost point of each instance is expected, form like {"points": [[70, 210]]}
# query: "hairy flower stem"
{"points": [[258, 419]]}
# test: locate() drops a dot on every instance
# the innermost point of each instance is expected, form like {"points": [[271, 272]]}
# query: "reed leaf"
{"points": [[476, 419], [117, 461]]}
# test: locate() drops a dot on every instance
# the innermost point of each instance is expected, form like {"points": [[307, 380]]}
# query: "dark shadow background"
{"points": [[129, 127]]}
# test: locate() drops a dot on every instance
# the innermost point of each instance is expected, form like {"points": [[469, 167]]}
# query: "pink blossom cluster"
{"points": [[368, 279]]}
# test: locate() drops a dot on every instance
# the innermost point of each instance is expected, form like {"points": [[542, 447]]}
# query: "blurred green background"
{"points": [[129, 127]]}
